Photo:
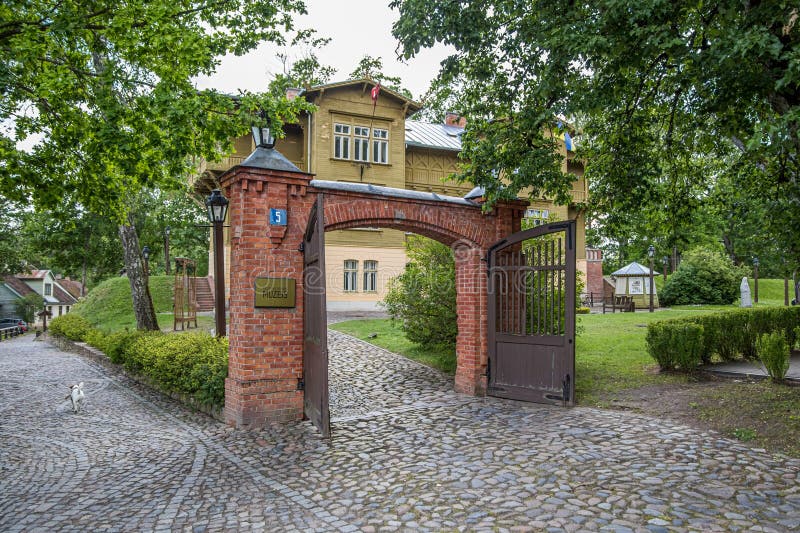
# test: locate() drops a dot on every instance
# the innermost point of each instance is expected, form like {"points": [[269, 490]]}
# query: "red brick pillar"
{"points": [[471, 342], [594, 272], [266, 345]]}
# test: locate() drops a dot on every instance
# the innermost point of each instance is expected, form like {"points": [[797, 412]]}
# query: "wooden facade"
{"points": [[409, 163]]}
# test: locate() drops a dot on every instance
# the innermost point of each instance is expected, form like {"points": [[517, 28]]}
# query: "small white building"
{"points": [[634, 280]]}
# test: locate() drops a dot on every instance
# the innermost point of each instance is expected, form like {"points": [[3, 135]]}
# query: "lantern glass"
{"points": [[755, 261], [217, 206], [146, 253], [651, 251]]}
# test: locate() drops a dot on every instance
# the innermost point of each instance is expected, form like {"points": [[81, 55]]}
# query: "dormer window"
{"points": [[48, 289]]}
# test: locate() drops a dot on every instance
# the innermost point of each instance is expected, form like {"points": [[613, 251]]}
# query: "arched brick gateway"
{"points": [[266, 345]]}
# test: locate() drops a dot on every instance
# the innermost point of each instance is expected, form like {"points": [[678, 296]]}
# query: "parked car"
{"points": [[11, 322]]}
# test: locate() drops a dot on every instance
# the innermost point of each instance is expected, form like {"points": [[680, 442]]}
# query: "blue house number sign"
{"points": [[277, 217]]}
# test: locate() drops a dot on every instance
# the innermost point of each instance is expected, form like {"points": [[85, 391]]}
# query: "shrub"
{"points": [[675, 344], [583, 310], [423, 297], [730, 335], [773, 350], [72, 326], [703, 277], [797, 337]]}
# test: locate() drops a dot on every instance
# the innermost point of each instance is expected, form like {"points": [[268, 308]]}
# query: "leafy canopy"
{"points": [[104, 92], [652, 85]]}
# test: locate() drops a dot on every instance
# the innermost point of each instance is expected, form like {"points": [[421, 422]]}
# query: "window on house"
{"points": [[350, 275], [370, 276], [538, 216], [48, 289], [341, 141], [67, 311], [60, 310], [361, 144], [380, 146]]}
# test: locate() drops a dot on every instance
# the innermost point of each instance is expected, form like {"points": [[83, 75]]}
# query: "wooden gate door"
{"points": [[315, 328], [531, 315]]}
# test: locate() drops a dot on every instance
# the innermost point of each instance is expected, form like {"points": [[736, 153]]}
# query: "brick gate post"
{"points": [[471, 342], [265, 357]]}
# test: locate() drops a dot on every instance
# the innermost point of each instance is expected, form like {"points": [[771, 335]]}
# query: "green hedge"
{"points": [[71, 326], [686, 343], [195, 364]]}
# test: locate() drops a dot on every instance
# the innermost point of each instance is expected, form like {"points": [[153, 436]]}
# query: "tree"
{"points": [[11, 257], [372, 68], [303, 72], [107, 89], [28, 306], [661, 91]]}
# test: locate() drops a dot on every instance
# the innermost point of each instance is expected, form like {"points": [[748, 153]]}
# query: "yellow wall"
{"points": [[352, 105], [391, 262], [427, 170]]}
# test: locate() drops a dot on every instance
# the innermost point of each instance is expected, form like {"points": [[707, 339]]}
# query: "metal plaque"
{"points": [[277, 217], [275, 292]]}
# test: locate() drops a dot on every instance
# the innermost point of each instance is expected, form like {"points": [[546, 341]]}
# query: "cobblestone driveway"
{"points": [[407, 454]]}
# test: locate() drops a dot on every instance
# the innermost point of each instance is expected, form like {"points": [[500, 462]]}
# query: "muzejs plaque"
{"points": [[275, 292]]}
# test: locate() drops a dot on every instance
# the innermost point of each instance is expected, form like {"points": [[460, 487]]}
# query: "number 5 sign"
{"points": [[277, 217]]}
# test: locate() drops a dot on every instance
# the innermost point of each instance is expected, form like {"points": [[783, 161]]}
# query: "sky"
{"points": [[356, 27]]}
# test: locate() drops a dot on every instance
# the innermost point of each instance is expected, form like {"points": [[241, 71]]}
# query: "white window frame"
{"points": [[380, 146], [370, 276], [361, 144], [48, 289], [350, 275], [341, 140], [539, 216]]}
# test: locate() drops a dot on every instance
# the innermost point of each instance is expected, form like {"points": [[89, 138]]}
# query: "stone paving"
{"points": [[407, 454]]}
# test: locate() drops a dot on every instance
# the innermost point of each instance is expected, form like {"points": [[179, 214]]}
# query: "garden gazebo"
{"points": [[634, 280]]}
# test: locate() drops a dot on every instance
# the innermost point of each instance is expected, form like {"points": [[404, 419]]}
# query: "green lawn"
{"points": [[610, 353]]}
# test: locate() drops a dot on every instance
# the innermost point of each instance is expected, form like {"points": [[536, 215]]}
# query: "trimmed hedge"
{"points": [[72, 326], [773, 350], [195, 363], [686, 343]]}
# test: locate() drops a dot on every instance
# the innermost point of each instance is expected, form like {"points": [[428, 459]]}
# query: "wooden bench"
{"points": [[624, 303]]}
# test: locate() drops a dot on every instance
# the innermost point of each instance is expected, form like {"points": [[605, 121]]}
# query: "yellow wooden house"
{"points": [[348, 140]]}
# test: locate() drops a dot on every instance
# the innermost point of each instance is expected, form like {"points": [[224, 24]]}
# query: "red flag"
{"points": [[374, 94]]}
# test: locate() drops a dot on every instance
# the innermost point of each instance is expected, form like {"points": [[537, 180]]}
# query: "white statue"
{"points": [[745, 289]]}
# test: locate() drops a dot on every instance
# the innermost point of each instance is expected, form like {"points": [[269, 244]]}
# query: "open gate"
{"points": [[531, 315], [315, 327]]}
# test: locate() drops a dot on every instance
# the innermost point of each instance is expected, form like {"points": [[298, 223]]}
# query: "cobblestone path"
{"points": [[407, 454]]}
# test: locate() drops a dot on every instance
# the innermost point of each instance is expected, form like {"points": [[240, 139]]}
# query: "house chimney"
{"points": [[454, 119], [292, 93]]}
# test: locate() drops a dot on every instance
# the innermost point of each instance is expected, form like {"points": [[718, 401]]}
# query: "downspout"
{"points": [[310, 136]]}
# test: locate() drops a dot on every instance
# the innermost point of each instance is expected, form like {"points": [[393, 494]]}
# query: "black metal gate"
{"points": [[531, 315], [315, 328]]}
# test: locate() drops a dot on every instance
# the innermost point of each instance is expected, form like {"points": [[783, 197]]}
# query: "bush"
{"points": [[583, 310], [72, 326], [729, 335], [703, 277], [675, 344], [423, 297], [773, 350]]}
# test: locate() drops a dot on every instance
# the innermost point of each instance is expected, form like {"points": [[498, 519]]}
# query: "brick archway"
{"points": [[266, 345]]}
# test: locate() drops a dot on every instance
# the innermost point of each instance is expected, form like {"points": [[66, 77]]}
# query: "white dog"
{"points": [[76, 396]]}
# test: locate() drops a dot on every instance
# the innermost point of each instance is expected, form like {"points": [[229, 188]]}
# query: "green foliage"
{"points": [[28, 306], [703, 277], [773, 351], [108, 306], [372, 68], [423, 297], [72, 326], [797, 337], [111, 90], [675, 345], [729, 335], [195, 364]]}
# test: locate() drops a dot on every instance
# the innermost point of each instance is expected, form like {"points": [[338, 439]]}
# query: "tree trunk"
{"points": [[85, 259], [138, 278]]}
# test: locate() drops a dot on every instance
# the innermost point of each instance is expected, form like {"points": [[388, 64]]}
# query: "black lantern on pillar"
{"points": [[146, 256], [651, 253], [262, 135], [217, 206], [756, 262], [665, 262]]}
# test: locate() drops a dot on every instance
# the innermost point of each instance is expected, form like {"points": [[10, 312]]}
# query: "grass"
{"points": [[387, 334], [762, 413], [610, 352], [109, 307]]}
